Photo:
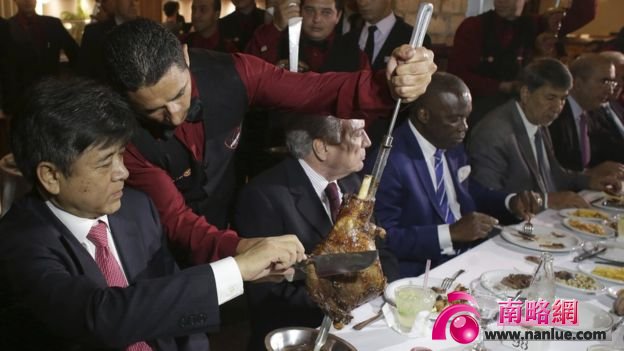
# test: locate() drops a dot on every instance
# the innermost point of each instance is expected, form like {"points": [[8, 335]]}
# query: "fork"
{"points": [[447, 282]]}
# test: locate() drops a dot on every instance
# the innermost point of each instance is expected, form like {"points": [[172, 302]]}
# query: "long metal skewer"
{"points": [[418, 35]]}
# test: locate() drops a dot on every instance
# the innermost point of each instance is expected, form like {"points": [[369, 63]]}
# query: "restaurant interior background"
{"points": [[448, 15]]}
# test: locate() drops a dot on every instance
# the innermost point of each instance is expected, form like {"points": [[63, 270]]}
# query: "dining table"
{"points": [[494, 254]]}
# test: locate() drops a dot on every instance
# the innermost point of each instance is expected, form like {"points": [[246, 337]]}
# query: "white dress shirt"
{"points": [[228, 280], [531, 130], [381, 34], [444, 232], [319, 183]]}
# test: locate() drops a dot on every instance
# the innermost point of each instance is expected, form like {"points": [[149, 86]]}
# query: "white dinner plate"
{"points": [[599, 287], [604, 204], [590, 317], [492, 281], [612, 254], [586, 214], [544, 238], [588, 268], [613, 290], [608, 231]]}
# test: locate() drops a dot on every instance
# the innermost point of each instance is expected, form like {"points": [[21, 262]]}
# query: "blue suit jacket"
{"points": [[406, 205]]}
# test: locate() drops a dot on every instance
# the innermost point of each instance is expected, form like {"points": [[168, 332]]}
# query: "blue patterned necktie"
{"points": [[440, 187]]}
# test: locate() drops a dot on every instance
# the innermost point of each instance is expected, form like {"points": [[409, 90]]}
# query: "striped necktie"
{"points": [[440, 187]]}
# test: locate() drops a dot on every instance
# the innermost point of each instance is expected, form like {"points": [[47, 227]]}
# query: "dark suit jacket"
{"points": [[55, 296], [282, 201], [607, 142], [565, 140], [400, 34], [5, 39], [407, 206], [231, 30], [502, 157], [91, 51], [34, 59]]}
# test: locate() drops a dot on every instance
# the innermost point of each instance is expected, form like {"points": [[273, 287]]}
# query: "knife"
{"points": [[328, 265], [589, 254]]}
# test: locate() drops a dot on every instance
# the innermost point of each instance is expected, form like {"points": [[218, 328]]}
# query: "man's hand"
{"points": [[285, 10], [608, 184], [566, 199], [285, 64], [471, 227], [618, 305], [525, 204], [260, 257], [607, 168], [409, 72]]}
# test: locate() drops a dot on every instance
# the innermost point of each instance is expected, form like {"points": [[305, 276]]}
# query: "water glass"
{"points": [[410, 301]]}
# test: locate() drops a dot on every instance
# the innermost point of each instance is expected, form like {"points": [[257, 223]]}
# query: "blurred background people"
{"points": [[239, 26], [174, 21]]}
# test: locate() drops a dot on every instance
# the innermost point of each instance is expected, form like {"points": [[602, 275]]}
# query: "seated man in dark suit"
{"points": [[426, 200], [84, 262], [511, 149], [594, 82], [302, 195], [606, 135]]}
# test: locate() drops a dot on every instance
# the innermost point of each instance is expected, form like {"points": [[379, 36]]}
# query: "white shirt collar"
{"points": [[428, 149], [319, 183], [78, 226], [384, 26], [530, 128]]}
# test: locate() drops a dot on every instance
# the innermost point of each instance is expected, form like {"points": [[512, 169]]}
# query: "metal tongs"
{"points": [[418, 35]]}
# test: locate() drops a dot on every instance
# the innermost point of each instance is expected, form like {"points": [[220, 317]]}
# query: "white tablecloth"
{"points": [[492, 254]]}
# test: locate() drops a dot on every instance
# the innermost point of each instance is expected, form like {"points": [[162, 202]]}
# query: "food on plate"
{"points": [[576, 280], [589, 213], [338, 295], [616, 273], [558, 235], [551, 245], [614, 201], [532, 259], [442, 300], [517, 281], [587, 227]]}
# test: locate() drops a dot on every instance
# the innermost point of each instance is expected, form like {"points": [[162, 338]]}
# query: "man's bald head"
{"points": [[594, 80], [440, 113]]}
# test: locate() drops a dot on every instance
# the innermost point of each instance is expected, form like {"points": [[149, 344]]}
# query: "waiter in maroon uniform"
{"points": [[320, 49], [205, 19], [191, 116], [489, 50], [239, 26]]}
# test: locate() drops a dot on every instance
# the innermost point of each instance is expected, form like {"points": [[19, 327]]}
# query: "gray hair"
{"points": [[302, 130]]}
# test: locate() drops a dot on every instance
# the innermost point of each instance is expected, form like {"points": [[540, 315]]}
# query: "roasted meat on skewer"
{"points": [[338, 295]]}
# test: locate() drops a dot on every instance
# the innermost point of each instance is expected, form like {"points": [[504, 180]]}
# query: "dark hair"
{"points": [[301, 130], [138, 53], [339, 4], [59, 119], [170, 8], [546, 71]]}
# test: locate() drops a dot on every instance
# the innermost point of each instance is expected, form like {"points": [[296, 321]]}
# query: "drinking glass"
{"points": [[410, 301], [488, 309]]}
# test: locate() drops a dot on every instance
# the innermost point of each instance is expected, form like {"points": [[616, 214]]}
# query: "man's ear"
{"points": [[49, 177], [524, 93], [422, 115], [186, 55], [320, 149]]}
